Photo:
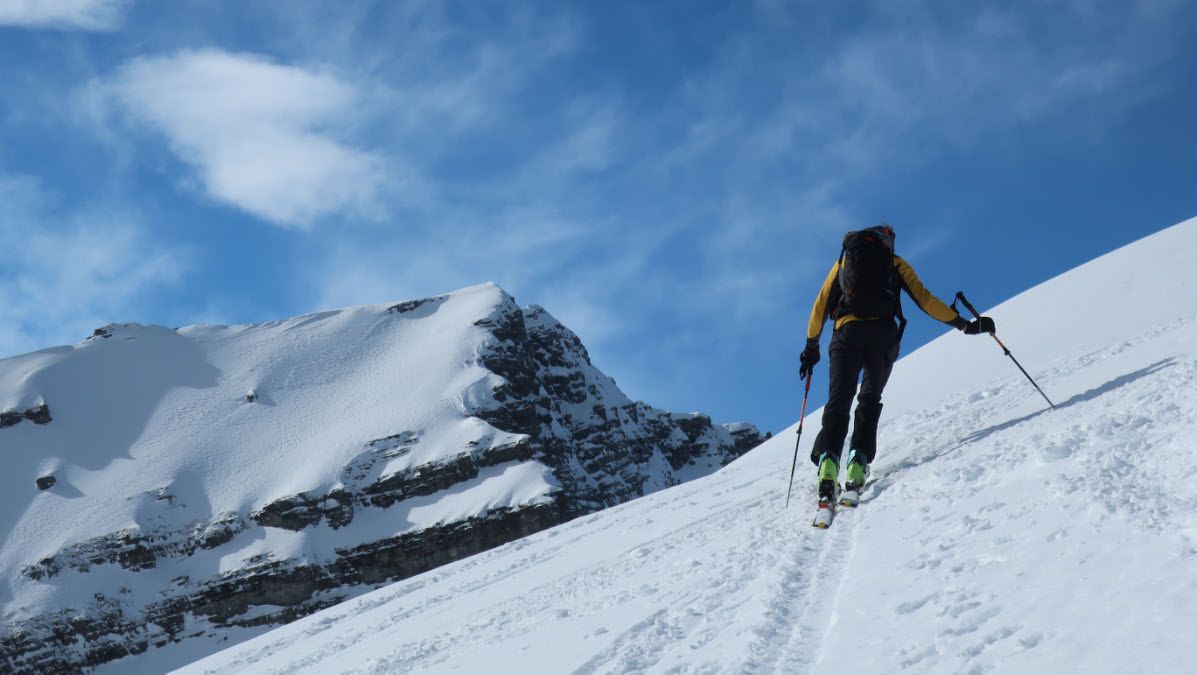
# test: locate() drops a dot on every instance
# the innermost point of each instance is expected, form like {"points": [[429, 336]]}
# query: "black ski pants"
{"points": [[868, 346]]}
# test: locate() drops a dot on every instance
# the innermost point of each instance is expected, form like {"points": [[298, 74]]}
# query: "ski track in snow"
{"points": [[816, 587]]}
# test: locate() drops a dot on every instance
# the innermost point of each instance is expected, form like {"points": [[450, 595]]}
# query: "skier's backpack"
{"points": [[869, 284]]}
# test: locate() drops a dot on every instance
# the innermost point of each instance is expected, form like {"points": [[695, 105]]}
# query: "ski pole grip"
{"points": [[969, 305]]}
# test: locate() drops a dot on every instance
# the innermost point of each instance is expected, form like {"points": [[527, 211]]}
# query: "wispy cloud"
{"points": [[264, 137], [499, 166], [92, 15], [913, 77], [744, 173], [62, 275], [791, 130]]}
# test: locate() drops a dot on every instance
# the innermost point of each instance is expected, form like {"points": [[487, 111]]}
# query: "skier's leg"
{"points": [[879, 350], [844, 371]]}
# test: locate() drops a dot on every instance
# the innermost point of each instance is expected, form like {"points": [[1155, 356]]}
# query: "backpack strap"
{"points": [[901, 287], [837, 291]]}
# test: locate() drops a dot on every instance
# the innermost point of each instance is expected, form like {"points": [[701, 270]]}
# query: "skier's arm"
{"points": [[819, 313], [925, 299]]}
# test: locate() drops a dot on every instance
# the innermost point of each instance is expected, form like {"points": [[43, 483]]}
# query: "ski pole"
{"points": [[801, 419], [969, 305]]}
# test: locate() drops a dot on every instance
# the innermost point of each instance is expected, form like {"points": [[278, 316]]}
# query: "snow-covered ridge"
{"points": [[201, 483], [995, 537]]}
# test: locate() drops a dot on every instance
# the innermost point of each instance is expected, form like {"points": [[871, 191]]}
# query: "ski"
{"points": [[850, 498], [824, 515], [829, 492]]}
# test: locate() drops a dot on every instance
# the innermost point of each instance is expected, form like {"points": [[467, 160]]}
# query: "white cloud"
{"points": [[95, 15], [60, 278], [264, 137]]}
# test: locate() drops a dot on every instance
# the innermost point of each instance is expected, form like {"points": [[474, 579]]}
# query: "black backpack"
{"points": [[869, 285]]}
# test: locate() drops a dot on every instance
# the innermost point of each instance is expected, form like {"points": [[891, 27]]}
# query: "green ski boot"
{"points": [[858, 473], [829, 487]]}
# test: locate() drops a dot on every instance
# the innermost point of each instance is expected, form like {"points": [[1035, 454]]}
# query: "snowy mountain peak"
{"points": [[208, 481]]}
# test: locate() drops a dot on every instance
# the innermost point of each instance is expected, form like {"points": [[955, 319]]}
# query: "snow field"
{"points": [[994, 537], [997, 538]]}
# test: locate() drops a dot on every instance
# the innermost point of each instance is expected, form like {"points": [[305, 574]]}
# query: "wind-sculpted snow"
{"points": [[994, 537], [199, 485]]}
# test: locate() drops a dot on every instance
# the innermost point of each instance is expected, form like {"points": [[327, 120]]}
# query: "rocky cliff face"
{"points": [[604, 449], [552, 409]]}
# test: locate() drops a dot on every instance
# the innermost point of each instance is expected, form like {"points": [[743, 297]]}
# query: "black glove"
{"points": [[983, 324], [810, 356]]}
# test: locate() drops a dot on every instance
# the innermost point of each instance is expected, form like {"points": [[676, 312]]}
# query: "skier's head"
{"points": [[886, 232]]}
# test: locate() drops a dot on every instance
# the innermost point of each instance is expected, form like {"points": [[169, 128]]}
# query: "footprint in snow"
{"points": [[909, 607]]}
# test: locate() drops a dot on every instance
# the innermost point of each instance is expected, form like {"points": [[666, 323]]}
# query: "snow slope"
{"points": [[122, 423], [995, 536]]}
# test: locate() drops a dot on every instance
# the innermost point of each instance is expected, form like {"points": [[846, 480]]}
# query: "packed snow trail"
{"points": [[995, 536]]}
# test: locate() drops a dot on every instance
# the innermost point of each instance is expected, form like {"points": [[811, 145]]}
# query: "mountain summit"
{"points": [[201, 484], [996, 536]]}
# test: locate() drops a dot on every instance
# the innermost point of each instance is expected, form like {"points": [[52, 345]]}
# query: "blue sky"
{"points": [[670, 179]]}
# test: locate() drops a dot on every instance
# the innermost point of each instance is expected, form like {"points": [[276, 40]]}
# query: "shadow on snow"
{"points": [[887, 478]]}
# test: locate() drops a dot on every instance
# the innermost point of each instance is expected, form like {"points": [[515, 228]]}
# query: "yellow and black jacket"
{"points": [[926, 301]]}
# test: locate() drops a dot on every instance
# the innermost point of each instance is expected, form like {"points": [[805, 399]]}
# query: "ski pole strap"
{"points": [[960, 298]]}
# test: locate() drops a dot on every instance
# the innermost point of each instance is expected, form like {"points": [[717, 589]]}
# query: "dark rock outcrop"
{"points": [[576, 416], [69, 641], [39, 414], [135, 550]]}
